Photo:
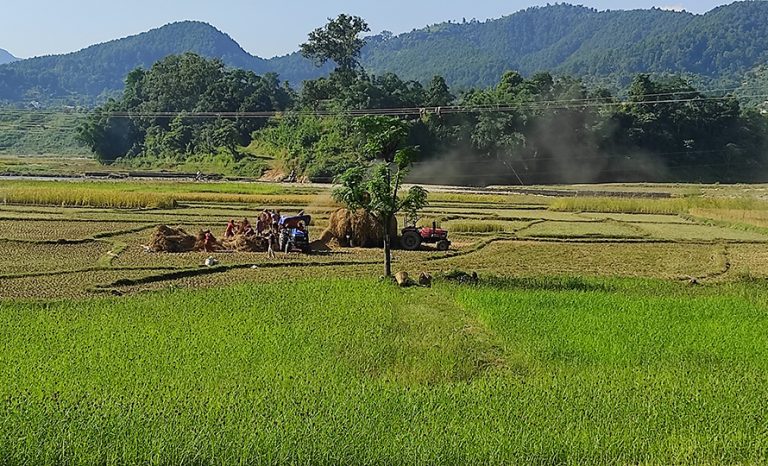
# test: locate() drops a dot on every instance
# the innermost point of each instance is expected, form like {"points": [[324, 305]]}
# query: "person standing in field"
{"points": [[230, 231], [260, 226], [271, 245], [208, 242]]}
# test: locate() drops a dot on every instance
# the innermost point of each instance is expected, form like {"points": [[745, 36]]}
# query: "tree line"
{"points": [[536, 129]]}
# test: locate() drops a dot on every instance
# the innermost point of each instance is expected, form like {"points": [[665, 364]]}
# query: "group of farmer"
{"points": [[267, 224], [266, 227]]}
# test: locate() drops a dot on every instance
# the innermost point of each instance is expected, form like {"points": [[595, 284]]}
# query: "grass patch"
{"points": [[700, 233], [523, 259], [476, 227], [758, 218], [308, 372], [48, 230], [653, 206], [485, 199], [21, 257], [575, 230], [639, 218]]}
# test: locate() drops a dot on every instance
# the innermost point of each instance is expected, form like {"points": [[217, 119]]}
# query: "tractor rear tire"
{"points": [[443, 245], [411, 240]]}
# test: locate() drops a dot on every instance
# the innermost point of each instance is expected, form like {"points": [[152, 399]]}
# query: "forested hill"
{"points": [[101, 69], [720, 46], [6, 57]]}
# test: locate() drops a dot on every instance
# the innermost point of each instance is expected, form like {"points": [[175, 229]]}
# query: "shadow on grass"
{"points": [[546, 284]]}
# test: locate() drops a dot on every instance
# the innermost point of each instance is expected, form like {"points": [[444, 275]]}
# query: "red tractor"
{"points": [[412, 238]]}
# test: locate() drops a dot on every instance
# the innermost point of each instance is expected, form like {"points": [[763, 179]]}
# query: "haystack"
{"points": [[166, 239], [200, 242], [242, 243], [357, 229]]}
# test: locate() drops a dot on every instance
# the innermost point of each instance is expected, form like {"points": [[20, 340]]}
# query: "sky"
{"points": [[264, 28]]}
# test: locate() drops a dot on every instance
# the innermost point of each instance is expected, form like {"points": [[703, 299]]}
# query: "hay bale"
{"points": [[357, 229], [166, 239], [242, 243], [200, 242]]}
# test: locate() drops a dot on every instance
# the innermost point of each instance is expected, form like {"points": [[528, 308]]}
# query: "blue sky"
{"points": [[264, 28]]}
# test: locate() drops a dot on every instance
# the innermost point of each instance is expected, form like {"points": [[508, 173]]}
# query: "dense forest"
{"points": [[606, 48], [541, 129]]}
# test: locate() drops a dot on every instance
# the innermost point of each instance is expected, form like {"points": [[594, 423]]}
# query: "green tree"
{"points": [[163, 100], [375, 187], [438, 93], [338, 41], [109, 137]]}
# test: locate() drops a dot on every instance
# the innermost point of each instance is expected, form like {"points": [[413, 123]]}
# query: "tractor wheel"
{"points": [[443, 245], [411, 240]]}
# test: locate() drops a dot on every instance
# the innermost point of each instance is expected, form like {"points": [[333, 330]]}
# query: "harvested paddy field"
{"points": [[505, 235], [593, 336]]}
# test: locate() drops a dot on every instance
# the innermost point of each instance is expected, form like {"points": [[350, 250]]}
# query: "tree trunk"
{"points": [[387, 249]]}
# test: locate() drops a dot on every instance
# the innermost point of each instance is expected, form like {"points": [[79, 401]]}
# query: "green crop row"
{"points": [[567, 371]]}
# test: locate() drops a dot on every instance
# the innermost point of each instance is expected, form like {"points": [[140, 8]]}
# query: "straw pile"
{"points": [[242, 243], [200, 242], [356, 229], [166, 239]]}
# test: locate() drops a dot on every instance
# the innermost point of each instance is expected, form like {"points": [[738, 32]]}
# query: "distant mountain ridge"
{"points": [[101, 69], [6, 57], [719, 46]]}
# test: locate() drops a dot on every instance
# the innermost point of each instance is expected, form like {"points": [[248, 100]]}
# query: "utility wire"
{"points": [[589, 102]]}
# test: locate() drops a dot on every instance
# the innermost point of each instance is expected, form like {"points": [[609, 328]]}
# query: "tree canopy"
{"points": [[152, 115], [338, 41], [375, 187]]}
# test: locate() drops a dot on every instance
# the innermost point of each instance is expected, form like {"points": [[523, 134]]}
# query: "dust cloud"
{"points": [[559, 149]]}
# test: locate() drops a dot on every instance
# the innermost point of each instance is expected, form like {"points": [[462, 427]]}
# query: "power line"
{"points": [[589, 102]]}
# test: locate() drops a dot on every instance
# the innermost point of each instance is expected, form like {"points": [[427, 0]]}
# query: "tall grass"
{"points": [[154, 195], [339, 371], [494, 199], [316, 200], [476, 227], [72, 195], [653, 206], [757, 218]]}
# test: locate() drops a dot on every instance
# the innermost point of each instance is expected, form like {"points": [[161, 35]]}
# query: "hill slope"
{"points": [[6, 57], [102, 68], [721, 45]]}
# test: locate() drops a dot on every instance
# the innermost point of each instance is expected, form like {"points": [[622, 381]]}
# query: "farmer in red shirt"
{"points": [[230, 232]]}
